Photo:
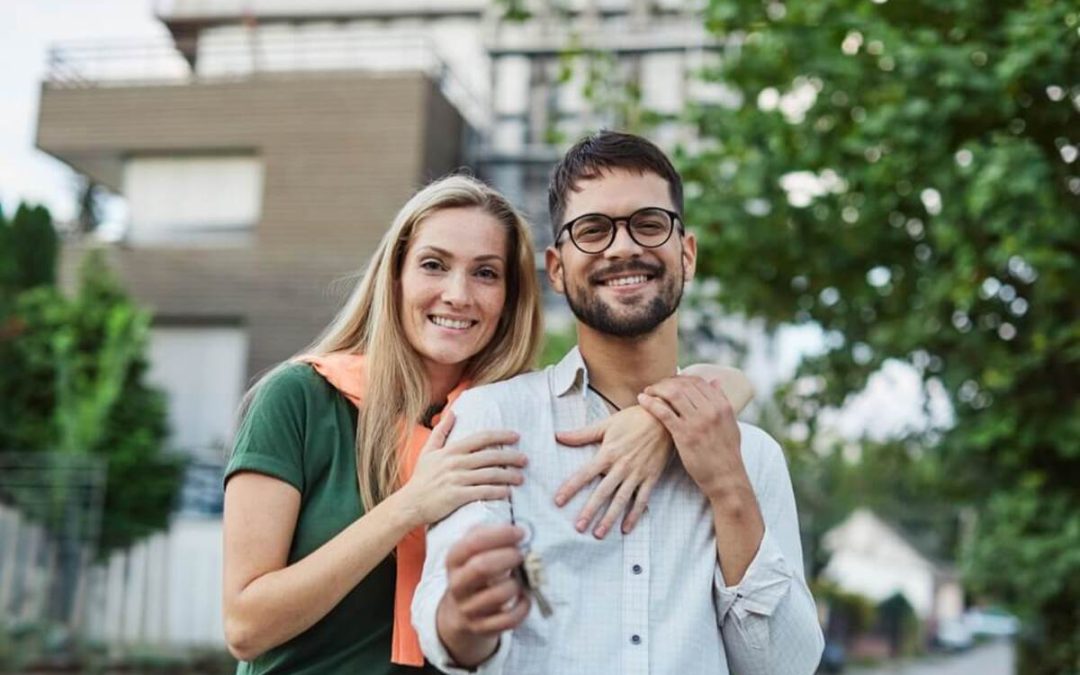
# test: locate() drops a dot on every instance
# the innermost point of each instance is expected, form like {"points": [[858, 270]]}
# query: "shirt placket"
{"points": [[635, 599]]}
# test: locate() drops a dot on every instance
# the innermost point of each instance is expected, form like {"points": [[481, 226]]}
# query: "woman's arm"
{"points": [[268, 602], [634, 449]]}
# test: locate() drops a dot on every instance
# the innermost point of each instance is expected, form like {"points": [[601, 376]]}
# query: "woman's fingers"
{"points": [[641, 500], [482, 458], [593, 433], [580, 479], [618, 506], [494, 476], [480, 440], [596, 500], [440, 432], [484, 493]]}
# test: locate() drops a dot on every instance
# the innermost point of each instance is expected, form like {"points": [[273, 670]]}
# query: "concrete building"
{"points": [[869, 557]]}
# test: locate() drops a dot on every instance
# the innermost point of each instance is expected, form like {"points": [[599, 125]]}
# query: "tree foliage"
{"points": [[72, 373], [904, 174]]}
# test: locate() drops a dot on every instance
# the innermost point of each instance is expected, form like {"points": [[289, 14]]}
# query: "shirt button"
{"points": [[636, 569], [635, 639]]}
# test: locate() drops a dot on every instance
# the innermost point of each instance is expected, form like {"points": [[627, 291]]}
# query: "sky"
{"points": [[27, 29]]}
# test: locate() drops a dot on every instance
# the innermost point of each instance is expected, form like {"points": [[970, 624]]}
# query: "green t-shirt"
{"points": [[301, 430]]}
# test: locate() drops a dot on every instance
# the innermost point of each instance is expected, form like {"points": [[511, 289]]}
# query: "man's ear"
{"points": [[553, 263], [689, 256]]}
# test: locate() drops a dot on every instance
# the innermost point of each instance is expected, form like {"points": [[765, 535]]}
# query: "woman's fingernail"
{"points": [[559, 500], [600, 532], [581, 525]]}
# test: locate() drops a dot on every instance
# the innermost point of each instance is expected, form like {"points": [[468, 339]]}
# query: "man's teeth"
{"points": [[627, 281], [450, 323]]}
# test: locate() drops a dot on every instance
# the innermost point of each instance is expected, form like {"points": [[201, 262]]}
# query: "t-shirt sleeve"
{"points": [[270, 440]]}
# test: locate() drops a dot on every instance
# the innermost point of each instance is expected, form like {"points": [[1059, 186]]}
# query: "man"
{"points": [[711, 579]]}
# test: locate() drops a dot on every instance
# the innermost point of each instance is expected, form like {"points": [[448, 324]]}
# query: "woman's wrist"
{"points": [[403, 511]]}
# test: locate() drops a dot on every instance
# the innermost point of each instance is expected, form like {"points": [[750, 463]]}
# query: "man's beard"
{"points": [[592, 311]]}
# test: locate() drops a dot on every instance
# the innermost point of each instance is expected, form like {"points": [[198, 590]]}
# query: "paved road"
{"points": [[991, 659]]}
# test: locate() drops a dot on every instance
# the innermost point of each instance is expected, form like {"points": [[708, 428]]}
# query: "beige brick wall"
{"points": [[341, 152]]}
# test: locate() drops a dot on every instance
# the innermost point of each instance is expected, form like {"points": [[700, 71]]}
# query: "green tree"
{"points": [[904, 174], [72, 378]]}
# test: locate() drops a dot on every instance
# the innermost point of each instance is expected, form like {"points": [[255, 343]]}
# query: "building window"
{"points": [[193, 200]]}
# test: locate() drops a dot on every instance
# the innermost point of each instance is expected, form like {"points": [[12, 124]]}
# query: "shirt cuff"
{"points": [[765, 583], [439, 657]]}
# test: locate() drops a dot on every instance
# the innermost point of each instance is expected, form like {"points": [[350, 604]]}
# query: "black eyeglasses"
{"points": [[649, 227]]}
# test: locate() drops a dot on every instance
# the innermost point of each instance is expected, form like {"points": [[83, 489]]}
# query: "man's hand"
{"points": [[483, 596], [702, 423]]}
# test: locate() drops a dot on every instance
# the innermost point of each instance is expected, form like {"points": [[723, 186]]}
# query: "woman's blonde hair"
{"points": [[370, 323]]}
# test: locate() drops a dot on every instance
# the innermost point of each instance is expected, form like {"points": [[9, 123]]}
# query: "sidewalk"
{"points": [[995, 658]]}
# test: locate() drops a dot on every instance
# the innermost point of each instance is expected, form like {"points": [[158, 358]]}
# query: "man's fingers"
{"points": [[596, 500], [579, 479], [660, 409], [506, 620], [480, 539], [593, 433], [619, 504], [491, 600], [481, 570], [641, 500], [483, 439]]}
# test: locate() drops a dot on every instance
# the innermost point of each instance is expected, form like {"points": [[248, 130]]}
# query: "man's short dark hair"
{"points": [[605, 151]]}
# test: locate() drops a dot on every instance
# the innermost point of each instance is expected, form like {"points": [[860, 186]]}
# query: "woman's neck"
{"points": [[442, 379]]}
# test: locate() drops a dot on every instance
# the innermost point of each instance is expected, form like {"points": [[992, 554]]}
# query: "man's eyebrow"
{"points": [[447, 254]]}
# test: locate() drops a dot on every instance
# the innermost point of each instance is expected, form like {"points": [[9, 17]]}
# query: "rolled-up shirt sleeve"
{"points": [[769, 620], [470, 418]]}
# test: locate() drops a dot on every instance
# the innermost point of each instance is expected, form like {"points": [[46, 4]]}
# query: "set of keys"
{"points": [[531, 574]]}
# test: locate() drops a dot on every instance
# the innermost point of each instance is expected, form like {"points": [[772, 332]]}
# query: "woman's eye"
{"points": [[488, 273], [431, 265]]}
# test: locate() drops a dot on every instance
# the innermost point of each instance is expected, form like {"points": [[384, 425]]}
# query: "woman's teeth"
{"points": [[450, 323]]}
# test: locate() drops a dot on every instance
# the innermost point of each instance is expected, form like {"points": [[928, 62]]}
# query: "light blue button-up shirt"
{"points": [[652, 601]]}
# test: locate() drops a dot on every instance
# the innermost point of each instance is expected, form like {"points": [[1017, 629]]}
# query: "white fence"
{"points": [[163, 592]]}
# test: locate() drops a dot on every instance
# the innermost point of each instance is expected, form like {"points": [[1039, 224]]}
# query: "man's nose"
{"points": [[623, 246]]}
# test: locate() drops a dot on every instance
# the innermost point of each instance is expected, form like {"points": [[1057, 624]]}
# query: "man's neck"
{"points": [[620, 368]]}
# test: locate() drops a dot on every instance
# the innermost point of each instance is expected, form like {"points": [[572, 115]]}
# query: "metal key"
{"points": [[531, 574]]}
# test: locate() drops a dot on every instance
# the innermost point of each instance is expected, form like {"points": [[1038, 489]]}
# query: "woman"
{"points": [[321, 488]]}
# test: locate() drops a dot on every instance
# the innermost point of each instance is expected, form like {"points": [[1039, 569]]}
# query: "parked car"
{"points": [[833, 658], [991, 622], [954, 635]]}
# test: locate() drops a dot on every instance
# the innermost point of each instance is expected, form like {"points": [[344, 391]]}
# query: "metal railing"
{"points": [[255, 54]]}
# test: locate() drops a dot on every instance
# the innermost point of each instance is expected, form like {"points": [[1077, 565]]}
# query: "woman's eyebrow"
{"points": [[447, 254]]}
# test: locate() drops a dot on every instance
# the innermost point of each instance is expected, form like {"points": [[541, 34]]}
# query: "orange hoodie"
{"points": [[347, 373]]}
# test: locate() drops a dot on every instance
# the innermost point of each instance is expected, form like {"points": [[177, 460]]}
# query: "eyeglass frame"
{"points": [[676, 221]]}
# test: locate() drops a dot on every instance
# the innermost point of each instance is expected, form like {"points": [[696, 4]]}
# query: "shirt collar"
{"points": [[570, 373]]}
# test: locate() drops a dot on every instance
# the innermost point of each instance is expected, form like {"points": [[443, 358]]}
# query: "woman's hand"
{"points": [[634, 449], [449, 476]]}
